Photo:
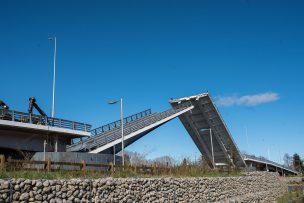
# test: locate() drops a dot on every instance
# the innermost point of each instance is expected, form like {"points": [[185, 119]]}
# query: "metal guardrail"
{"points": [[93, 143], [22, 117], [117, 124], [266, 161], [143, 119]]}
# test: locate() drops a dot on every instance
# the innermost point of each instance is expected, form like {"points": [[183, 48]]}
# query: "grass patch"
{"points": [[175, 171], [62, 174], [179, 171], [292, 197], [194, 171]]}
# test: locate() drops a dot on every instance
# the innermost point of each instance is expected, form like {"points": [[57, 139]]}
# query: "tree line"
{"points": [[295, 162]]}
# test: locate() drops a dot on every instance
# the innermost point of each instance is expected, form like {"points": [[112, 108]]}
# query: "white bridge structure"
{"points": [[263, 164], [108, 139], [208, 131], [20, 131], [197, 113]]}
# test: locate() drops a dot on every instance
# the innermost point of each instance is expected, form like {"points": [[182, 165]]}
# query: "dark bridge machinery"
{"points": [[3, 105], [33, 104], [28, 132], [198, 114]]}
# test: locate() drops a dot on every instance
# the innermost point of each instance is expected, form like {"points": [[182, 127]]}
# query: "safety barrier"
{"points": [[22, 117]]}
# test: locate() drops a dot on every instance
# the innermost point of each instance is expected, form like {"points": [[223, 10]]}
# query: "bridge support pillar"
{"points": [[114, 155], [56, 143]]}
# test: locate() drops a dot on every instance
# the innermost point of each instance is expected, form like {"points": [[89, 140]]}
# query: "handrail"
{"points": [[113, 134], [117, 124], [158, 116], [22, 117], [93, 142]]}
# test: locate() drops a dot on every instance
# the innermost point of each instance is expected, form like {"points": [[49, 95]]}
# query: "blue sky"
{"points": [[150, 51]]}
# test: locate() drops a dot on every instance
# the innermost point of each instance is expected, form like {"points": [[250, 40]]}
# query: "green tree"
{"points": [[297, 163], [185, 162], [287, 160]]}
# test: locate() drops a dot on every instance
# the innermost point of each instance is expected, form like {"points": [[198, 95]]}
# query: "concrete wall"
{"points": [[254, 187]]}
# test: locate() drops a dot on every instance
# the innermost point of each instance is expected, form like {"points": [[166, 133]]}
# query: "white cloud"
{"points": [[247, 100]]}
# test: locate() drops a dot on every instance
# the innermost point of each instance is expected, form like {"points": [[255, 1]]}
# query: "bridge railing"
{"points": [[143, 119], [117, 124], [103, 140], [22, 117], [183, 105]]}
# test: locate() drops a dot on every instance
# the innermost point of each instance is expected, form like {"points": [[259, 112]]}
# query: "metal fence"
{"points": [[117, 124], [104, 139], [22, 117], [108, 169]]}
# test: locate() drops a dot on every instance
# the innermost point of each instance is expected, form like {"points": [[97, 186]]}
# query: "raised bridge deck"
{"points": [[209, 131], [109, 140]]}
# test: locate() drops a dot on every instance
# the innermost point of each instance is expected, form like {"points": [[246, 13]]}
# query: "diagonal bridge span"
{"points": [[107, 139]]}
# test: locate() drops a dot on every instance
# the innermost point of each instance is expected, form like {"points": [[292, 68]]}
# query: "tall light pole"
{"points": [[268, 154], [211, 142], [122, 131], [54, 82], [54, 76], [246, 133], [281, 162], [212, 147]]}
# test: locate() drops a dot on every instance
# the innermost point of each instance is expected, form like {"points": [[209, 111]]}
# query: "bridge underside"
{"points": [[209, 132], [116, 146]]}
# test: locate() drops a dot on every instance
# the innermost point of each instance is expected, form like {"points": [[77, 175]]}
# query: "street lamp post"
{"points": [[122, 130], [212, 147], [211, 142], [54, 76], [267, 152], [54, 83], [122, 133]]}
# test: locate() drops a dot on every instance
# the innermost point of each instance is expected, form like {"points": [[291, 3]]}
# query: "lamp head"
{"points": [[112, 102]]}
